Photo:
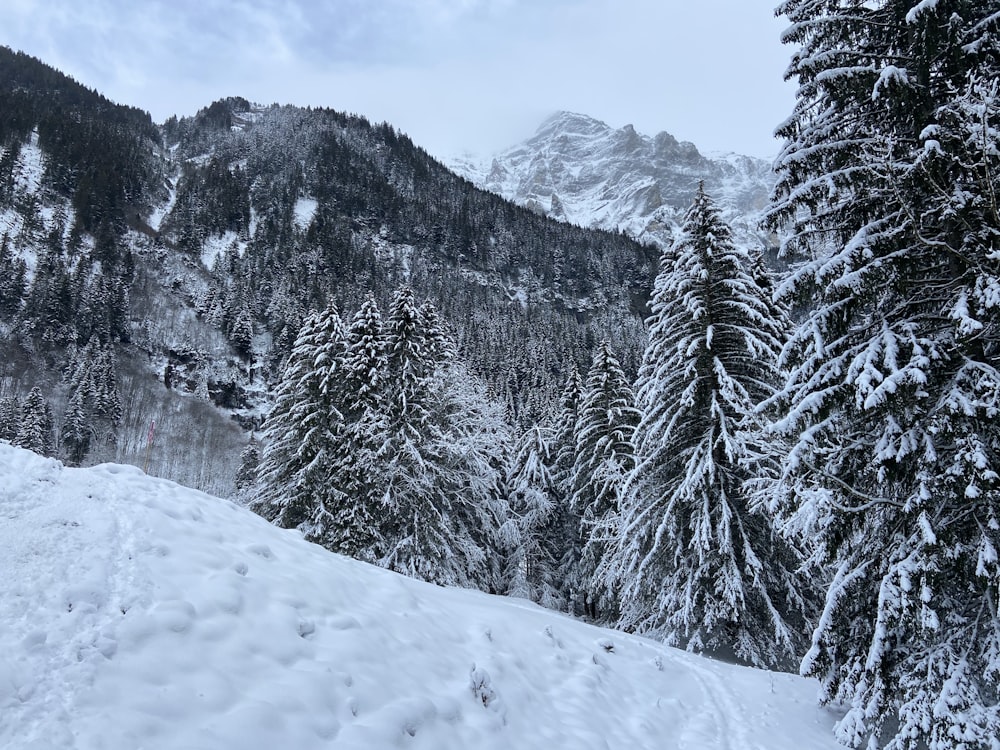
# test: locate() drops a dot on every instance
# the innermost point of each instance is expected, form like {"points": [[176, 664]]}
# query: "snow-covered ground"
{"points": [[136, 613]]}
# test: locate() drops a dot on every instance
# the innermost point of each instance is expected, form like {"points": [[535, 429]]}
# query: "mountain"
{"points": [[580, 170], [137, 613], [178, 261]]}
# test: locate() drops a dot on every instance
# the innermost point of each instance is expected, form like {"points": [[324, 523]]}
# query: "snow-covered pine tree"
{"points": [[241, 331], [301, 432], [888, 179], [77, 432], [409, 362], [605, 426], [530, 567], [366, 359], [35, 427], [246, 472], [439, 465], [358, 452], [470, 447], [106, 408], [693, 563], [561, 539], [10, 417]]}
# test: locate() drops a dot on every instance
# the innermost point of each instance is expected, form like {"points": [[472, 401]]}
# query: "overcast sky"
{"points": [[456, 75]]}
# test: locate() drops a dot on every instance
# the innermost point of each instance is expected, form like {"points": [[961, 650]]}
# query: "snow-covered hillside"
{"points": [[138, 613], [580, 170]]}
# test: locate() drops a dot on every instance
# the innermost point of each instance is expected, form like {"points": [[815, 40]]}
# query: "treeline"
{"points": [[100, 154], [823, 491], [315, 205], [635, 511]]}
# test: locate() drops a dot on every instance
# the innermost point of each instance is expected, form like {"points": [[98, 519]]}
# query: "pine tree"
{"points": [[35, 428], [106, 406], [441, 500], [889, 180], [301, 431], [246, 473], [562, 537], [77, 432], [410, 360], [360, 395], [10, 418], [241, 331], [604, 456], [12, 279], [696, 566], [530, 566]]}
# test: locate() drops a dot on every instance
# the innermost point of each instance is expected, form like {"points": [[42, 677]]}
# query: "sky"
{"points": [[456, 75]]}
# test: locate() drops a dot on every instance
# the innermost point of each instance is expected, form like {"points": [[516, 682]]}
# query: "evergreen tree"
{"points": [[301, 431], [604, 456], [381, 447], [241, 332], [77, 432], [441, 498], [246, 473], [12, 279], [35, 428], [106, 405], [889, 180], [353, 525], [695, 564], [531, 570], [356, 459], [410, 361], [10, 418], [562, 540]]}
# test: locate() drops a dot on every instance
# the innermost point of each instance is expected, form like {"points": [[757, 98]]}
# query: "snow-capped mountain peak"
{"points": [[581, 170]]}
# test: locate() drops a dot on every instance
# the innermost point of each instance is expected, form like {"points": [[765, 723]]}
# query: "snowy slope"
{"points": [[46, 211], [580, 170], [135, 613]]}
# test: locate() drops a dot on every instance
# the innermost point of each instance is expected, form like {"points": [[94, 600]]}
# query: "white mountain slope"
{"points": [[136, 613], [580, 170]]}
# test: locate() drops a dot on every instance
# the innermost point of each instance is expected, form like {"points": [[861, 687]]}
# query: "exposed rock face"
{"points": [[580, 170]]}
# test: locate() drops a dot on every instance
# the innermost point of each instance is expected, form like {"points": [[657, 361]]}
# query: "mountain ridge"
{"points": [[578, 169], [197, 270]]}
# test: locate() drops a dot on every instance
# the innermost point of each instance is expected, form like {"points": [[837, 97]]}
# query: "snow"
{"points": [[581, 171], [30, 167], [923, 6], [216, 246], [138, 613], [163, 210], [28, 171], [305, 209]]}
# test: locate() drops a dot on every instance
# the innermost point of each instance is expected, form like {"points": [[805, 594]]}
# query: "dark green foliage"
{"points": [[34, 430], [246, 474], [889, 181], [10, 418], [99, 152], [694, 562], [604, 456]]}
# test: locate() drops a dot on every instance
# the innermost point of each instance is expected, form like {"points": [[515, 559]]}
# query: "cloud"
{"points": [[454, 73]]}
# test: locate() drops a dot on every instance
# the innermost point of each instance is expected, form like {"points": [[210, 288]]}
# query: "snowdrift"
{"points": [[136, 613]]}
